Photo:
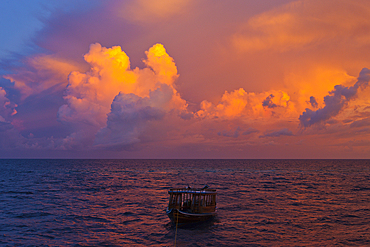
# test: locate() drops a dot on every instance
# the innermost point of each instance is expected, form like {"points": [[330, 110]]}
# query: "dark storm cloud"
{"points": [[335, 101], [313, 102], [268, 102]]}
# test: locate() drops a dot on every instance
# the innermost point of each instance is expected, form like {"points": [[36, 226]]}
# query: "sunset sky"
{"points": [[185, 79]]}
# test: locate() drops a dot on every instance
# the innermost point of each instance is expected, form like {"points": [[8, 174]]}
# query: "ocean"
{"points": [[122, 202]]}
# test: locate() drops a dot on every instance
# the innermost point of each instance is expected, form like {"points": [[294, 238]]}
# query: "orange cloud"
{"points": [[111, 88], [315, 45], [316, 81], [303, 23], [335, 101], [281, 62], [242, 104]]}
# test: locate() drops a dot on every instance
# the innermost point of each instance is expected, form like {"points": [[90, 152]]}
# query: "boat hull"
{"points": [[178, 216]]}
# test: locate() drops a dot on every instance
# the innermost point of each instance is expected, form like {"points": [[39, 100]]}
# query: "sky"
{"points": [[238, 79]]}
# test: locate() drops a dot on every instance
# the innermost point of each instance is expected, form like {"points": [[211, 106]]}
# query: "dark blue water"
{"points": [[122, 202]]}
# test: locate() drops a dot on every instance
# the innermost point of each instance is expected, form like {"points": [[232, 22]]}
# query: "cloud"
{"points": [[130, 115], [111, 94], [227, 133], [303, 23], [89, 95], [335, 101], [41, 72], [360, 123], [7, 108], [240, 103], [313, 102], [281, 61], [282, 132], [9, 136], [268, 102], [250, 131]]}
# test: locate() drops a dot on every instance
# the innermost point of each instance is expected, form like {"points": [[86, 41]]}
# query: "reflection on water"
{"points": [[122, 202]]}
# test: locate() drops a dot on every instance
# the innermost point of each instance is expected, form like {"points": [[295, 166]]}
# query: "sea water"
{"points": [[122, 202]]}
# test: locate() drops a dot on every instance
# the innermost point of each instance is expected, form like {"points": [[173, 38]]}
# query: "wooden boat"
{"points": [[188, 205]]}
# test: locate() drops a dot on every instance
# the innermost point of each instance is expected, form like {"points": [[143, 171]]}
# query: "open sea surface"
{"points": [[122, 202]]}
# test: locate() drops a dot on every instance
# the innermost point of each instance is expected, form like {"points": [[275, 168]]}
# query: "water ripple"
{"points": [[122, 202]]}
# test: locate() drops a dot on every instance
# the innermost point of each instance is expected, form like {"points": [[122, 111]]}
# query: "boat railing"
{"points": [[193, 200], [191, 190]]}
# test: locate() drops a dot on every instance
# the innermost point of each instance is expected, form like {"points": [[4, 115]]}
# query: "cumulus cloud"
{"points": [[278, 133], [129, 116], [296, 54], [240, 103], [335, 101], [117, 98]]}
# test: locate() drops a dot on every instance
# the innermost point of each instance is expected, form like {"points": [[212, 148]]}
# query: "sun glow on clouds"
{"points": [[335, 101], [117, 99], [251, 82], [240, 103], [111, 105]]}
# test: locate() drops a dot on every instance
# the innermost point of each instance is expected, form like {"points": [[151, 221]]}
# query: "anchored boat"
{"points": [[187, 205]]}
